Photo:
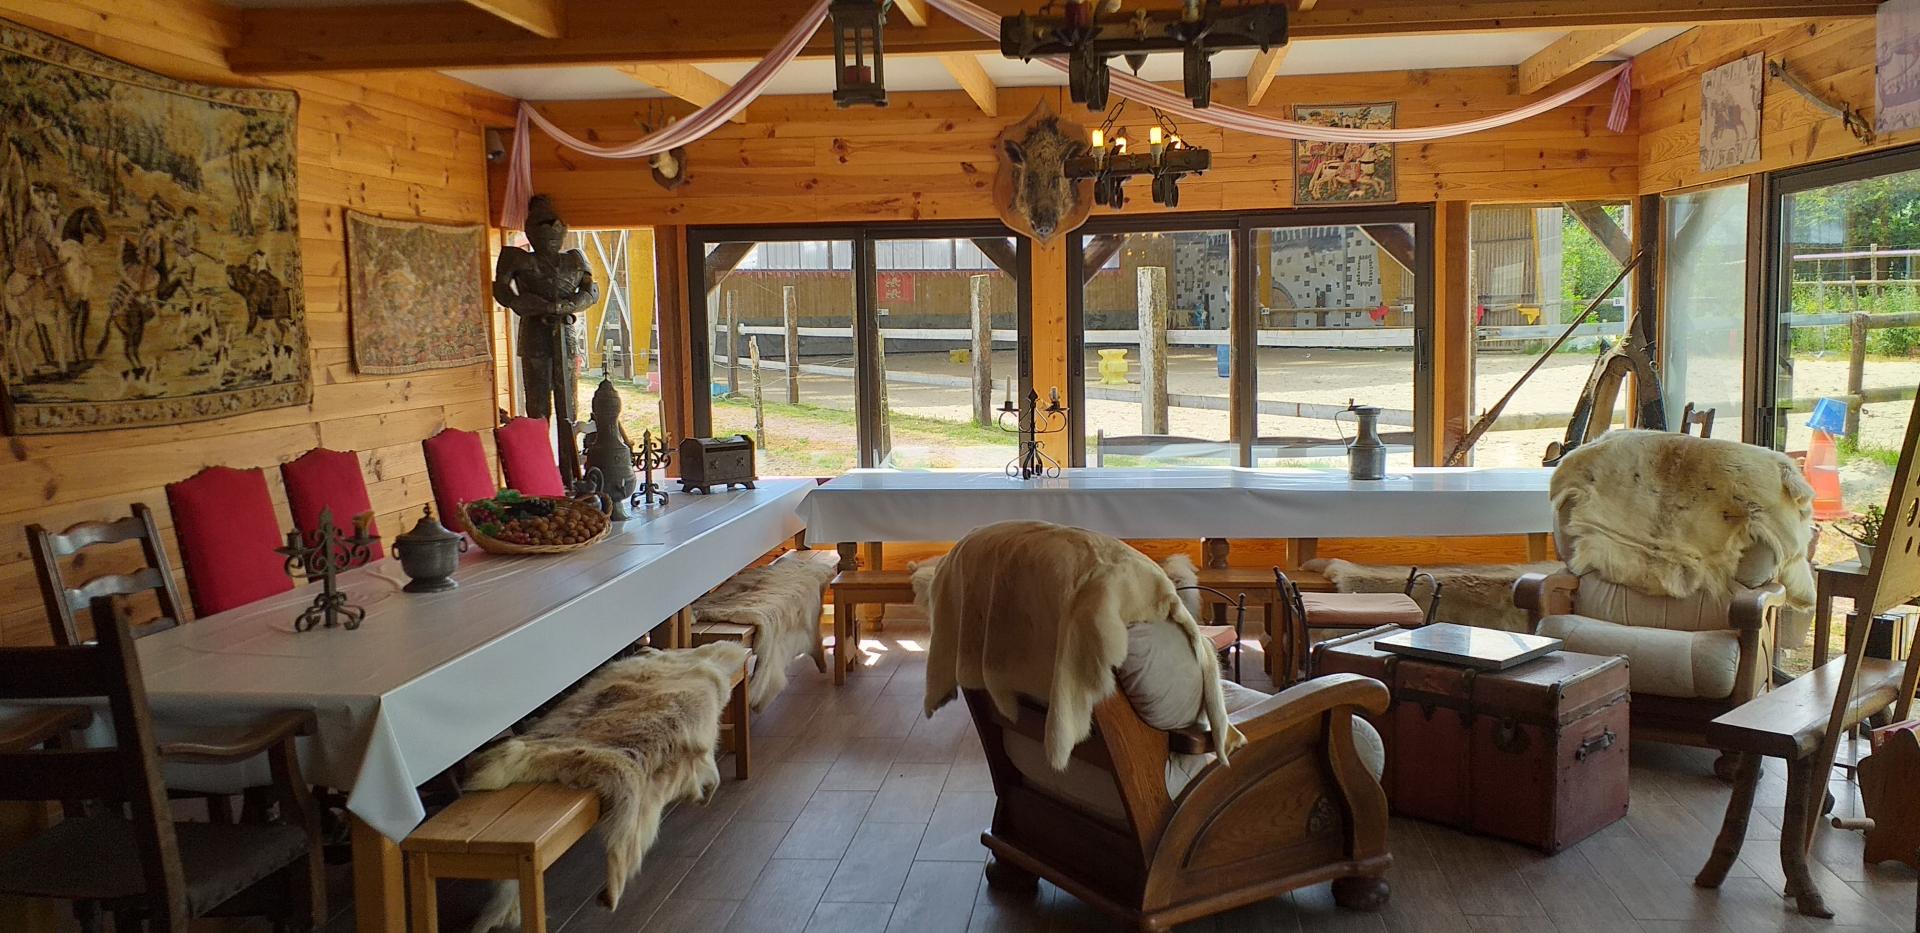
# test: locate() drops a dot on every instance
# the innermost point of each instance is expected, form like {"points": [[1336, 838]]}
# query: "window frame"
{"points": [[868, 380], [1242, 378]]}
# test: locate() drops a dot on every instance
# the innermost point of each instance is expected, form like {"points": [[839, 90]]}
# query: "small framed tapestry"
{"points": [[1344, 173], [416, 294], [1730, 113], [149, 244]]}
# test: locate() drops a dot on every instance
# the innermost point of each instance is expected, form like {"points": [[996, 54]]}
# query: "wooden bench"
{"points": [[1788, 723], [854, 588], [510, 834], [736, 730]]}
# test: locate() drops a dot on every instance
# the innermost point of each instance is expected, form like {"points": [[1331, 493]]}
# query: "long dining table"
{"points": [[427, 679]]}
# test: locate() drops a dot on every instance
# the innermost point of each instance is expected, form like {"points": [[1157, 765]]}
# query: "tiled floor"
{"points": [[864, 816]]}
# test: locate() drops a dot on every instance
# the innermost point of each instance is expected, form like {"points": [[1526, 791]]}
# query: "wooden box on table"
{"points": [[1536, 754]]}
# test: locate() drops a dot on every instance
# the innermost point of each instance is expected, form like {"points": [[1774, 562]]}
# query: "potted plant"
{"points": [[1864, 529]]}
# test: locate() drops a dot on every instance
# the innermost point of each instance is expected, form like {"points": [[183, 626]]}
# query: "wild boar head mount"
{"points": [[1031, 190]]}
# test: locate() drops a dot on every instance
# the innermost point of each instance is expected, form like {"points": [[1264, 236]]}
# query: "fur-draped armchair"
{"points": [[1685, 555], [1119, 775]]}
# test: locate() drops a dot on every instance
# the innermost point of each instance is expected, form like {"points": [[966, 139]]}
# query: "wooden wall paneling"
{"points": [[1834, 57], [399, 145], [672, 303]]}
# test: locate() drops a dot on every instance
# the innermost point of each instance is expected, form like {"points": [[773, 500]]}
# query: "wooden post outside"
{"points": [[733, 349], [759, 404], [1856, 372], [977, 287], [790, 315], [1151, 292], [886, 412]]}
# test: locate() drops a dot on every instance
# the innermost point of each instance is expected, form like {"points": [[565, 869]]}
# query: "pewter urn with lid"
{"points": [[429, 554]]}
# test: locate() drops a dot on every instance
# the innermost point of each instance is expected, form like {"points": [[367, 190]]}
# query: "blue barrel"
{"points": [[1223, 360], [1829, 415]]}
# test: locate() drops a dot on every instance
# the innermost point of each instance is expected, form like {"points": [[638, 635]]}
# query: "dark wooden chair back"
{"points": [[1690, 416], [126, 773], [66, 598]]}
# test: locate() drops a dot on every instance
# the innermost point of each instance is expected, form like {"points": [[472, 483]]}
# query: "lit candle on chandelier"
{"points": [[1156, 141], [1099, 140], [1120, 143]]}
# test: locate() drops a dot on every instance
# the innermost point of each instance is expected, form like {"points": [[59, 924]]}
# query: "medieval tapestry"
{"points": [[1730, 114], [415, 294], [1344, 173], [149, 244]]}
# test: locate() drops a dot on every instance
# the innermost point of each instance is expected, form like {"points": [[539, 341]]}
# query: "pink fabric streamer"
{"points": [[987, 23], [680, 133]]}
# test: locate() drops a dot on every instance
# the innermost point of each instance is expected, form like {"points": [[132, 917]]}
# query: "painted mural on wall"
{"points": [[149, 244], [1730, 113], [416, 295], [1344, 173], [1896, 66]]}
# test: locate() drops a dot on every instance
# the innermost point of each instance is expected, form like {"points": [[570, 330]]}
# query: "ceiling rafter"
{"points": [[686, 82], [965, 69], [1570, 52], [457, 35], [545, 18]]}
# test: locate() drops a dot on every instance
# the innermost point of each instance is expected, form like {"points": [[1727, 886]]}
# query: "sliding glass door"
{"points": [[1241, 339], [1703, 353], [845, 347]]}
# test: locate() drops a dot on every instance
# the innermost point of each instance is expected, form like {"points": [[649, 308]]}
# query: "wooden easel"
{"points": [[1890, 777]]}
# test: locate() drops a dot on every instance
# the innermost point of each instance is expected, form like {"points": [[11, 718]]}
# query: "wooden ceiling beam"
{"points": [[1260, 76], [973, 78], [457, 35], [1570, 52], [686, 82], [544, 18]]}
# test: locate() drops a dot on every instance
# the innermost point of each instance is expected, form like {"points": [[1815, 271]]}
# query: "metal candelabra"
{"points": [[1030, 421], [649, 456], [324, 554]]}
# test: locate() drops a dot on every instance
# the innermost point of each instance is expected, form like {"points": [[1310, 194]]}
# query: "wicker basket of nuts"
{"points": [[511, 523]]}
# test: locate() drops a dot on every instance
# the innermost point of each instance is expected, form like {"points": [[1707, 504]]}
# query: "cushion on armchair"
{"points": [[1667, 662]]}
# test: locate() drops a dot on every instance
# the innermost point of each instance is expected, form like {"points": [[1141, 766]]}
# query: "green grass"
{"points": [[1849, 449], [938, 428]]}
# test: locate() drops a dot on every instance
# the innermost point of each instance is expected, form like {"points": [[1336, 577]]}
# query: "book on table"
{"points": [[1481, 648]]}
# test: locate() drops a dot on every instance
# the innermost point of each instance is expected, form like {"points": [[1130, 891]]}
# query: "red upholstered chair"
{"points": [[227, 530], [457, 466], [526, 457], [323, 479]]}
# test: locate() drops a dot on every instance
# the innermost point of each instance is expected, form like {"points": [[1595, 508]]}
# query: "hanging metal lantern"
{"points": [[859, 65]]}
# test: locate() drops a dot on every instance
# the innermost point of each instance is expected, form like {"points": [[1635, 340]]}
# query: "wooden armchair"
{"points": [[1296, 806], [1667, 707], [130, 857]]}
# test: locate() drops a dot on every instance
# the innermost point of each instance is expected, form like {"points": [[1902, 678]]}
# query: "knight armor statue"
{"points": [[546, 286]]}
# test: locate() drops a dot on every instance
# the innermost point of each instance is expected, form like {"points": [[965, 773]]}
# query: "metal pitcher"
{"points": [[1366, 453]]}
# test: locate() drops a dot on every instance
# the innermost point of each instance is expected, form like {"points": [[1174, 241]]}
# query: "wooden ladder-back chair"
{"points": [[1296, 806], [66, 598], [328, 480], [137, 863], [526, 457], [228, 531], [457, 468]]}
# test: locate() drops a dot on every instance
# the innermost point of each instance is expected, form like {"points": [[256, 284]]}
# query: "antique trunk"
{"points": [[1536, 754]]}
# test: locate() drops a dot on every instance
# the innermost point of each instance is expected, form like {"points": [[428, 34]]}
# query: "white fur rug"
{"points": [[1670, 514], [782, 601], [1476, 595], [641, 733]]}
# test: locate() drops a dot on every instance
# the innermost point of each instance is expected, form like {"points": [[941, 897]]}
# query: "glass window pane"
{"points": [[1336, 323], [1186, 278], [809, 423], [1706, 305], [1534, 270], [1847, 253], [939, 409]]}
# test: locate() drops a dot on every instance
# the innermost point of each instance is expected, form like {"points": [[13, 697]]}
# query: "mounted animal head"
{"points": [[1031, 191], [669, 169]]}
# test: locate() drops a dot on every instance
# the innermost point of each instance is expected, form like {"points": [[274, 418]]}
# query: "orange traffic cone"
{"points": [[1823, 474]]}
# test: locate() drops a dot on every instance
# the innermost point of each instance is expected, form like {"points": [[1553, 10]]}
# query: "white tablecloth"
{"points": [[428, 678], [1184, 502]]}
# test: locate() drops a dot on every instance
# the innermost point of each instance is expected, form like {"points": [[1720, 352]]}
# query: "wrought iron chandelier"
{"points": [[1112, 157], [1090, 40]]}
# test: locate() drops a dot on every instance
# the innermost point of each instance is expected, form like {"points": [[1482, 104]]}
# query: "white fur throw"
{"points": [[641, 733], [1671, 514], [782, 602], [1477, 595], [1042, 610]]}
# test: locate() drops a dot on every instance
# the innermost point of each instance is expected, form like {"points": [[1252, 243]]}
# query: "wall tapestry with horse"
{"points": [[149, 244]]}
